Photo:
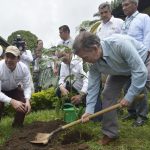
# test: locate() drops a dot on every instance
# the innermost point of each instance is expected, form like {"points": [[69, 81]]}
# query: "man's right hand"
{"points": [[18, 106], [85, 117], [63, 90]]}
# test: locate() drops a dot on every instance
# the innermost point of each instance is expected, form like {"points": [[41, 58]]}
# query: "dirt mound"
{"points": [[66, 140]]}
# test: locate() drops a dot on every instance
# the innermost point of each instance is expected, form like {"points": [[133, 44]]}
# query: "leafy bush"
{"points": [[46, 99]]}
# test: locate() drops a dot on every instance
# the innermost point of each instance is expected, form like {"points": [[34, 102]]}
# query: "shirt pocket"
{"points": [[4, 83], [18, 79]]}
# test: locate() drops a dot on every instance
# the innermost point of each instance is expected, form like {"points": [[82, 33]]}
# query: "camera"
{"points": [[19, 43]]}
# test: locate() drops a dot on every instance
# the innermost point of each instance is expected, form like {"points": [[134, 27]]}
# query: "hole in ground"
{"points": [[75, 137]]}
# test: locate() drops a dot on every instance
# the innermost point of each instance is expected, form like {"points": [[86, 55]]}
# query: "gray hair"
{"points": [[133, 1], [104, 5], [84, 41]]}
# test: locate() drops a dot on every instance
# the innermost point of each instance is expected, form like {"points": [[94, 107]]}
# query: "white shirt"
{"points": [[9, 80], [114, 25], [68, 42], [138, 26], [26, 58], [81, 81]]}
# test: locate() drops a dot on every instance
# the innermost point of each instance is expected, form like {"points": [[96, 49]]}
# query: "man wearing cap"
{"points": [[12, 74]]}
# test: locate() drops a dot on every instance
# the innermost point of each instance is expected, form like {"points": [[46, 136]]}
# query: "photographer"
{"points": [[25, 55]]}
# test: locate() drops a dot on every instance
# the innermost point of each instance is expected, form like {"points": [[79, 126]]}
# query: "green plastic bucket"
{"points": [[70, 112]]}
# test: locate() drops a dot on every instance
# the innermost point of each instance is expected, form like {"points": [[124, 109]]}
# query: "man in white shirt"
{"points": [[64, 33], [26, 57], [66, 40], [109, 24], [72, 65], [12, 73], [137, 25]]}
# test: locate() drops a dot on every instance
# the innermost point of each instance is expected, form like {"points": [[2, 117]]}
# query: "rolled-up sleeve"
{"points": [[93, 90]]}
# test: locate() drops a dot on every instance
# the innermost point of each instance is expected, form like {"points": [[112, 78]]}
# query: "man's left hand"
{"points": [[27, 106], [76, 99]]}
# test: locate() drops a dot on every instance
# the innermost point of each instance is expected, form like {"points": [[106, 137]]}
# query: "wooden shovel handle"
{"points": [[93, 115]]}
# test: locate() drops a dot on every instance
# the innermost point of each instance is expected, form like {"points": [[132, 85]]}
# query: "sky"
{"points": [[44, 17]]}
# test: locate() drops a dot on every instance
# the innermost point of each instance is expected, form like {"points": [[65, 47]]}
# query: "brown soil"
{"points": [[64, 140]]}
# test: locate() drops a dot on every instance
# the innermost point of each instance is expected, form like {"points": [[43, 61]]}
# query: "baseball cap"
{"points": [[13, 50]]}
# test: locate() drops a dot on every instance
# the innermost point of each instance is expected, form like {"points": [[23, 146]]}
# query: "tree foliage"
{"points": [[30, 38], [86, 24]]}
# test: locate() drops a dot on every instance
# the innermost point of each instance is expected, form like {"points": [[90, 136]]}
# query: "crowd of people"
{"points": [[119, 50]]}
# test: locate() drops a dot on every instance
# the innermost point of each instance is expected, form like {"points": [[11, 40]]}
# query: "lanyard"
{"points": [[127, 23]]}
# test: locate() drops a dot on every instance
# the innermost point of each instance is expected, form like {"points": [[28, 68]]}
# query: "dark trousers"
{"points": [[18, 95], [140, 108]]}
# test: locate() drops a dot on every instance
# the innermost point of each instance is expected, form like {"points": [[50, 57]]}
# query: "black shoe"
{"points": [[129, 117], [140, 121]]}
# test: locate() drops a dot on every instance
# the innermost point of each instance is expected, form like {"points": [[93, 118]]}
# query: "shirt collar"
{"points": [[110, 21], [67, 41], [133, 15]]}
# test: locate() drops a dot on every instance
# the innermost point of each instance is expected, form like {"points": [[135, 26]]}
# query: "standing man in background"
{"points": [[64, 33], [136, 25], [109, 24], [66, 40]]}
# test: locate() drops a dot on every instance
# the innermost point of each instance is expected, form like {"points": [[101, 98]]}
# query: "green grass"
{"points": [[130, 138]]}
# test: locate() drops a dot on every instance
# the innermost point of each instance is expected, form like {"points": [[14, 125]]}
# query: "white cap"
{"points": [[13, 50]]}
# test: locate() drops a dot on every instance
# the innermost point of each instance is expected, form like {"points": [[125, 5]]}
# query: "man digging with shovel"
{"points": [[122, 58]]}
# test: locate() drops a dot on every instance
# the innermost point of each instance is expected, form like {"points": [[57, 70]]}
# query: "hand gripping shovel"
{"points": [[43, 138]]}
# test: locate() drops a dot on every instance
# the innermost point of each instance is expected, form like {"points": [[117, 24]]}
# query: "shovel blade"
{"points": [[41, 138]]}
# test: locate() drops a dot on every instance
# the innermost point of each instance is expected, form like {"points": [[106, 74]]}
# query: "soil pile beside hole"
{"points": [[70, 139]]}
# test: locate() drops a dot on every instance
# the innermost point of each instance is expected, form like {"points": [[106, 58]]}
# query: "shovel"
{"points": [[43, 138]]}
